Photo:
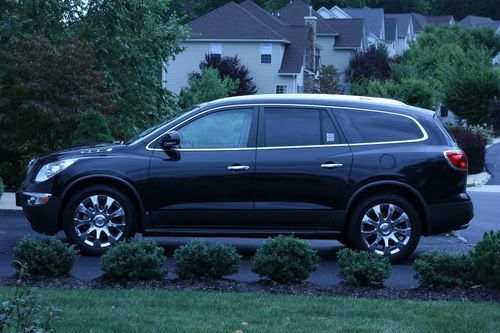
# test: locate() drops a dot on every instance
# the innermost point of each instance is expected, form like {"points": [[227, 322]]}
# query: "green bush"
{"points": [[411, 91], [441, 269], [488, 132], [486, 258], [92, 129], [285, 259], [1, 187], [362, 268], [44, 257], [134, 260], [197, 260], [329, 80]]}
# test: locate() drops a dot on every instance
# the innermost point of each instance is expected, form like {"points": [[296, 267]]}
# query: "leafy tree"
{"points": [[43, 89], [206, 87], [232, 68], [92, 129], [471, 86], [132, 40], [372, 64], [329, 80]]}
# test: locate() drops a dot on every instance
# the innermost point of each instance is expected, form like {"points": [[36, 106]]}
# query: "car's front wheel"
{"points": [[386, 224], [97, 217]]}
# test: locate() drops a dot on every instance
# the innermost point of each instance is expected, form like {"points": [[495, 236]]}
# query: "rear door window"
{"points": [[297, 127], [362, 126]]}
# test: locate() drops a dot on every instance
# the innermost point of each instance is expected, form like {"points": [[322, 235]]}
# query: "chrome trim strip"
{"points": [[424, 132], [34, 194]]}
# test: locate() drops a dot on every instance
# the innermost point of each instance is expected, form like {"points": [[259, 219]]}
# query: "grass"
{"points": [[167, 311]]}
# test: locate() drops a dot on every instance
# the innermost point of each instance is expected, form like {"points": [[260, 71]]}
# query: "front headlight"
{"points": [[51, 169]]}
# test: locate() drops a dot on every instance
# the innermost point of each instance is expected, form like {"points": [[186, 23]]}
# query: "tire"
{"points": [[394, 235], [93, 230]]}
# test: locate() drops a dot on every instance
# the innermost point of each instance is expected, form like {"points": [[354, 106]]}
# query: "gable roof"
{"points": [[374, 18], [391, 29], [419, 22], [231, 22], [351, 32], [439, 19], [294, 13], [472, 21], [293, 57], [403, 21]]}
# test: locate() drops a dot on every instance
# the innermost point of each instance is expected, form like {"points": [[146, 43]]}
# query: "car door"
{"points": [[303, 166], [208, 180]]}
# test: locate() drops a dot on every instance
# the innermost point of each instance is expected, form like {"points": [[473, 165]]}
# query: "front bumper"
{"points": [[450, 216], [42, 215]]}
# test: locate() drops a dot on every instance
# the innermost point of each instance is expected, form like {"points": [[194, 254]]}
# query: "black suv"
{"points": [[375, 174]]}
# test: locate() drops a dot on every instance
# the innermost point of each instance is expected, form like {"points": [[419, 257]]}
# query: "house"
{"points": [[374, 22], [421, 21], [282, 51], [405, 31], [472, 21], [391, 36]]}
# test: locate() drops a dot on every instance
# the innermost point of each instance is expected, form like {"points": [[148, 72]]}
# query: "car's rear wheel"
{"points": [[386, 224], [97, 217]]}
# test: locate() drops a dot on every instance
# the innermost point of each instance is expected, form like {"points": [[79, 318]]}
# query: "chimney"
{"points": [[310, 65]]}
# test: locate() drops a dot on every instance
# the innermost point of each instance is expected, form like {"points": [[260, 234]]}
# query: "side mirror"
{"points": [[170, 140]]}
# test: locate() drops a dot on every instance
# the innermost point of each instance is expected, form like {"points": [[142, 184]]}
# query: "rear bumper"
{"points": [[450, 216], [44, 218]]}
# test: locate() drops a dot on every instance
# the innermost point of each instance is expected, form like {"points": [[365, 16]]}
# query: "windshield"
{"points": [[150, 130]]}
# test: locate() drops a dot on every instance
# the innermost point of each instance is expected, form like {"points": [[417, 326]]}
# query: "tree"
{"points": [[206, 87], [43, 90], [92, 129], [329, 80], [232, 68], [133, 39], [372, 64]]}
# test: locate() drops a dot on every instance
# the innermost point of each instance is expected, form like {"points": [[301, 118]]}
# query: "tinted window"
{"points": [[298, 127], [223, 129], [369, 126]]}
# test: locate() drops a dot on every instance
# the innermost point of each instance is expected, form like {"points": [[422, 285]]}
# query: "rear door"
{"points": [[302, 168]]}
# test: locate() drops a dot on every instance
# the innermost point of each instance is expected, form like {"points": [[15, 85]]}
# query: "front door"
{"points": [[303, 167], [208, 181]]}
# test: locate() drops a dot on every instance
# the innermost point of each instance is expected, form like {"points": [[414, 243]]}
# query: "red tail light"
{"points": [[457, 159]]}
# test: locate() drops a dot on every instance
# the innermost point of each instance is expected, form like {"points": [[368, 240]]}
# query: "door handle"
{"points": [[330, 165], [238, 167]]}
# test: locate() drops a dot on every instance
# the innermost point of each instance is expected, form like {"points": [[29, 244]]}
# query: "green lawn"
{"points": [[166, 311]]}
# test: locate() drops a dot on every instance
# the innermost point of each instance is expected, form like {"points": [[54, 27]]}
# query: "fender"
{"points": [[389, 182]]}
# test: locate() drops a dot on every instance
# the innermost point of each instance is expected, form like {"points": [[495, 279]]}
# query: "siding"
{"points": [[265, 76], [331, 56]]}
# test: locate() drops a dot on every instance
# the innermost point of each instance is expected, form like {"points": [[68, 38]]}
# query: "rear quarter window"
{"points": [[362, 126]]}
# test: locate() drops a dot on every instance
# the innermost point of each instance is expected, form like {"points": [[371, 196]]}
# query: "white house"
{"points": [[282, 51]]}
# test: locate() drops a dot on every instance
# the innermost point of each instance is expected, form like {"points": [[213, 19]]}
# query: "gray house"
{"points": [[282, 51]]}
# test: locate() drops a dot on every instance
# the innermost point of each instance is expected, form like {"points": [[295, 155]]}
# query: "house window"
{"points": [[216, 49], [266, 50], [281, 89]]}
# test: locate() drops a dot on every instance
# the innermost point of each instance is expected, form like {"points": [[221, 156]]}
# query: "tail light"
{"points": [[457, 159]]}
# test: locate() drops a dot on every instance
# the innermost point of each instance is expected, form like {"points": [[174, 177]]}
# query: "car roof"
{"points": [[375, 103]]}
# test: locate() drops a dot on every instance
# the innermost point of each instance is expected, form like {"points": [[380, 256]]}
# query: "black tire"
{"points": [[121, 226], [387, 232]]}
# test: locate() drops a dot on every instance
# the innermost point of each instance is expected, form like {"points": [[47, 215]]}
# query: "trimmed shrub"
{"points": [[329, 80], [488, 132], [44, 257], [197, 260], [134, 260], [441, 269], [362, 268], [1, 187], [474, 146], [92, 129], [371, 64], [486, 258], [285, 259]]}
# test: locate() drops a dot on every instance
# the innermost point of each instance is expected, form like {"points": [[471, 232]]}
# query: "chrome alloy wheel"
{"points": [[99, 221], [385, 229]]}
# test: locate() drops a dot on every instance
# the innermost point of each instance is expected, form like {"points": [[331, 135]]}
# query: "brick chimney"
{"points": [[310, 64]]}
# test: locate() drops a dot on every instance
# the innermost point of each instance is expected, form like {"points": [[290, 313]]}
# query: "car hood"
{"points": [[86, 151]]}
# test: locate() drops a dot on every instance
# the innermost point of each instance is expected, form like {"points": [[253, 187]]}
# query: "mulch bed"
{"points": [[464, 294]]}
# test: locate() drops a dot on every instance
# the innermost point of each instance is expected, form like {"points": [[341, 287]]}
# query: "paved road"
{"points": [[13, 227], [493, 164]]}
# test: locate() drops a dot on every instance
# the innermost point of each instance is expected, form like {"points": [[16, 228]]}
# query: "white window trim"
{"points": [[266, 49], [285, 90]]}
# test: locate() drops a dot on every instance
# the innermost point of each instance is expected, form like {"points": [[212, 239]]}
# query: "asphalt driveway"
{"points": [[13, 226]]}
